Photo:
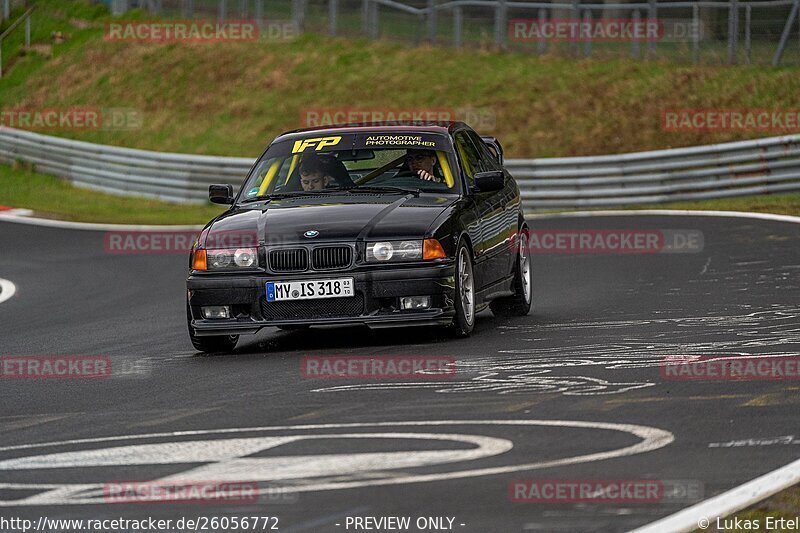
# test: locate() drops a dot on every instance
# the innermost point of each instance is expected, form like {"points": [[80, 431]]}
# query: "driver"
{"points": [[313, 174], [421, 163]]}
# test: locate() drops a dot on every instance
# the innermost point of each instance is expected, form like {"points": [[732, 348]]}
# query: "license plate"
{"points": [[278, 291]]}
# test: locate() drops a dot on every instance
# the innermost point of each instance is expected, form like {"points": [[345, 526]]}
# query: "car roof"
{"points": [[443, 128]]}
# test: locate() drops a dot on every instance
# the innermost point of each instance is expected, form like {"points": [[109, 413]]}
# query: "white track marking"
{"points": [[728, 502], [669, 212], [7, 290], [60, 494], [21, 218]]}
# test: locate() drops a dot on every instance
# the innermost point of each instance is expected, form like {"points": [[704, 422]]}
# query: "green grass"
{"points": [[233, 98], [782, 204], [52, 197]]}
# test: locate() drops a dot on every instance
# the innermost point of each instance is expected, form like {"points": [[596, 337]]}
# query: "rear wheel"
{"points": [[520, 303], [211, 344], [464, 321]]}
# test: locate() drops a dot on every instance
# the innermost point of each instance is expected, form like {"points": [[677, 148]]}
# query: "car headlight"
{"points": [[225, 258], [383, 251]]}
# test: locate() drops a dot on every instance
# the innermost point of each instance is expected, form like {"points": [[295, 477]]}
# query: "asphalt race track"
{"points": [[571, 392]]}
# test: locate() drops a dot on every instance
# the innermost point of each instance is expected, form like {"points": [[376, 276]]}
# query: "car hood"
{"points": [[335, 218]]}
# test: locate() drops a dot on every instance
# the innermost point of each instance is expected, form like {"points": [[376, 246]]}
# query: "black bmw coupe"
{"points": [[381, 225]]}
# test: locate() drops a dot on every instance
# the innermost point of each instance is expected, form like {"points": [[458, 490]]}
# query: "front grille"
{"points": [[288, 260], [330, 257], [310, 309]]}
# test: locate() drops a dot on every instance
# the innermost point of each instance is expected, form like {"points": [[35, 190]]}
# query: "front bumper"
{"points": [[375, 303]]}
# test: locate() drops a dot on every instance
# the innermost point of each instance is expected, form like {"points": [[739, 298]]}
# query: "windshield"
{"points": [[315, 166]]}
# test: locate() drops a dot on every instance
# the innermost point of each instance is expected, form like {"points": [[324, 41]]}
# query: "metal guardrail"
{"points": [[127, 171], [714, 171]]}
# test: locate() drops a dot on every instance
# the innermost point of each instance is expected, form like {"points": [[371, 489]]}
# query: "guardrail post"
{"points": [[222, 11], [500, 23], [776, 59], [747, 37], [733, 31], [635, 51], [365, 17], [541, 45], [652, 18], [6, 9], [333, 11], [575, 17], [188, 9], [259, 12], [696, 34], [457, 27], [587, 44], [431, 21], [119, 7], [374, 25], [299, 14]]}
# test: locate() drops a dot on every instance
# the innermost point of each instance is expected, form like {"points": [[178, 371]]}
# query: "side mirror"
{"points": [[493, 180], [220, 194], [495, 147]]}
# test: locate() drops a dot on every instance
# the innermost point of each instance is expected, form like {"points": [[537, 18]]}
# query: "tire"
{"points": [[464, 321], [520, 303], [212, 344]]}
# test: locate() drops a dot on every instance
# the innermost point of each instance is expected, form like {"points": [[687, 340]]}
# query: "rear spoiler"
{"points": [[494, 146]]}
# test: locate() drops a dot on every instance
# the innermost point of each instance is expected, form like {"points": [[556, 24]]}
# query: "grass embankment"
{"points": [[233, 98]]}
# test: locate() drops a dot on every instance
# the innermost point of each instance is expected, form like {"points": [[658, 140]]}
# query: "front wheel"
{"points": [[520, 303], [464, 321], [210, 344]]}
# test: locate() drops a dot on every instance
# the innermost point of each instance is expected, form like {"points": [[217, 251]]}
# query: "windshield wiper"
{"points": [[382, 188], [278, 195]]}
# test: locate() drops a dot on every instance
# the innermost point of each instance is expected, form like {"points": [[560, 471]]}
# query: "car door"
{"points": [[470, 164], [500, 215]]}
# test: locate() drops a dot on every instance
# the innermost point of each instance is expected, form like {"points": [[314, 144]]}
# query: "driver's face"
{"points": [[421, 162], [313, 182]]}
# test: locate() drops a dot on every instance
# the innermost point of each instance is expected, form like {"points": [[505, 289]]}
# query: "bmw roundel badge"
{"points": [[311, 233]]}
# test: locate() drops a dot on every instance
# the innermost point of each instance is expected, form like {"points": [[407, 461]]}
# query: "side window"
{"points": [[468, 156], [488, 158]]}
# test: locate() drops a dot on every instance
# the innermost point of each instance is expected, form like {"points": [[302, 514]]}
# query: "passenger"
{"points": [[313, 174], [421, 163]]}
